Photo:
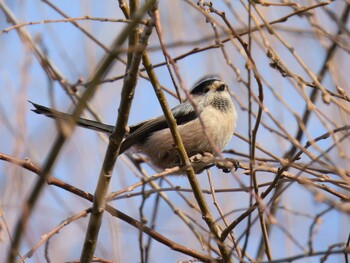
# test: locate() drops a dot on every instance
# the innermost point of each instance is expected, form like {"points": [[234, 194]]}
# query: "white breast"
{"points": [[219, 126]]}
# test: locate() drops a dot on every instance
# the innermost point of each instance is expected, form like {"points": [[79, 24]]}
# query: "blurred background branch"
{"points": [[298, 158]]}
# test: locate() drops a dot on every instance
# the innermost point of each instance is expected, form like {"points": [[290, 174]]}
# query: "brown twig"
{"points": [[115, 140], [29, 165]]}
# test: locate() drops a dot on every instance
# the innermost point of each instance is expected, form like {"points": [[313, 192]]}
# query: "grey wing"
{"points": [[140, 132]]}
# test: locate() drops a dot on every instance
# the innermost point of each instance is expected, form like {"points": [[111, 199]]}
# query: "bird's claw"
{"points": [[227, 164]]}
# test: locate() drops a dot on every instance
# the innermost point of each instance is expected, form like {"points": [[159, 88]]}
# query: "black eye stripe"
{"points": [[203, 86]]}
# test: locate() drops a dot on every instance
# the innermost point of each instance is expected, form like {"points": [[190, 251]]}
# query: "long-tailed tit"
{"points": [[214, 112]]}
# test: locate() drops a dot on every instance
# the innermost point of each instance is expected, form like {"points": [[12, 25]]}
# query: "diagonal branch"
{"points": [[30, 166], [115, 142], [61, 138]]}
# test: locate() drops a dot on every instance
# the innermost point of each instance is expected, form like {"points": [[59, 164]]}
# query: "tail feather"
{"points": [[89, 124]]}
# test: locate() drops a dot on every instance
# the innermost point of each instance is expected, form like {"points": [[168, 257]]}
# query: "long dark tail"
{"points": [[89, 124]]}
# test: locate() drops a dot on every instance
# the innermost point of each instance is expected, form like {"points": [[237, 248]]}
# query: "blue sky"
{"points": [[25, 134]]}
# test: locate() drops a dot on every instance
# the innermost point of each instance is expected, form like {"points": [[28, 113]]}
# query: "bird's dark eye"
{"points": [[222, 87], [205, 90]]}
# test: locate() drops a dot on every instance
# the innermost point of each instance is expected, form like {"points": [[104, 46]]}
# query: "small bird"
{"points": [[214, 108]]}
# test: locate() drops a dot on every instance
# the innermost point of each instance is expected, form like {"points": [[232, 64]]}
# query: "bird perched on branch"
{"points": [[206, 127]]}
